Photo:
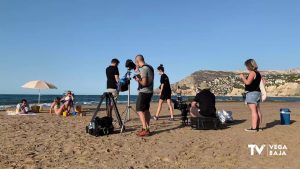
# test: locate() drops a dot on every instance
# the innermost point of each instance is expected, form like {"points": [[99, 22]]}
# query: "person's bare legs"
{"points": [[171, 108], [259, 121], [60, 110], [142, 119], [254, 114], [160, 102]]}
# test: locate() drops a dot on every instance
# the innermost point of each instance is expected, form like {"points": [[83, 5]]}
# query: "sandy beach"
{"points": [[46, 141]]}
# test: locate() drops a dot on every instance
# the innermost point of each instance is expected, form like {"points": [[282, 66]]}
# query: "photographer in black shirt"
{"points": [[113, 77], [204, 103]]}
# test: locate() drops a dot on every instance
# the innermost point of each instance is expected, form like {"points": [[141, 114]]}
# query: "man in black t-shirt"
{"points": [[206, 101], [113, 77]]}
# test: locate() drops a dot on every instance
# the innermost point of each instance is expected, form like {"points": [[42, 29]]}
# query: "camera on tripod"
{"points": [[184, 108], [104, 126], [124, 82], [130, 65]]}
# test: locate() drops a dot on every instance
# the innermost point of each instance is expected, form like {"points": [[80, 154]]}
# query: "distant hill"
{"points": [[228, 83]]}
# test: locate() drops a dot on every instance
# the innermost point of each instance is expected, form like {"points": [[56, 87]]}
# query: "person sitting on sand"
{"points": [[206, 101], [68, 101], [23, 107], [55, 107]]}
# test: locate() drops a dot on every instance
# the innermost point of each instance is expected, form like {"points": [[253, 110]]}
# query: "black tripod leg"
{"points": [[107, 105], [98, 107], [121, 124]]}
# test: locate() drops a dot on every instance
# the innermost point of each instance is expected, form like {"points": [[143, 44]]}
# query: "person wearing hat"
{"points": [[204, 104]]}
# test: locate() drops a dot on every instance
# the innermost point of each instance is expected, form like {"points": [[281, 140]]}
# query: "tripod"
{"points": [[109, 100], [128, 109]]}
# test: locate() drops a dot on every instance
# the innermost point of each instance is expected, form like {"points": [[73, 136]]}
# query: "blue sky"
{"points": [[70, 42]]}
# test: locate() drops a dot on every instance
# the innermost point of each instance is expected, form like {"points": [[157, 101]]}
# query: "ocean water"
{"points": [[12, 99]]}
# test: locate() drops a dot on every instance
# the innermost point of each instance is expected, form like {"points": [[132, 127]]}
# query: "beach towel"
{"points": [[12, 113]]}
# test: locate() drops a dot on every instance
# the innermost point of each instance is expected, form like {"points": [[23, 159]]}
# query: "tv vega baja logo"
{"points": [[269, 150]]}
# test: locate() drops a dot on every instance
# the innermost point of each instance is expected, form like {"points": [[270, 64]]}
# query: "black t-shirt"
{"points": [[111, 71], [207, 103], [164, 79]]}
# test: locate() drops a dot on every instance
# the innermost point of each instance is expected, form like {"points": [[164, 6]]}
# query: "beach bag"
{"points": [[263, 91], [102, 126], [225, 116], [205, 123], [123, 84]]}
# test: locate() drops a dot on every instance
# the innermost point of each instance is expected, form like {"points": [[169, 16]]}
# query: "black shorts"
{"points": [[143, 102], [165, 96]]}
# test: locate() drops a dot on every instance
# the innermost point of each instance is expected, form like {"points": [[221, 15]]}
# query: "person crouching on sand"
{"points": [[253, 93], [165, 93], [55, 107]]}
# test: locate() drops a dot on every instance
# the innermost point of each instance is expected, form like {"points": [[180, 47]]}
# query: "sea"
{"points": [[11, 100]]}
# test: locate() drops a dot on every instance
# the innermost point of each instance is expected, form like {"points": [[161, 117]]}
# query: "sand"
{"points": [[46, 141]]}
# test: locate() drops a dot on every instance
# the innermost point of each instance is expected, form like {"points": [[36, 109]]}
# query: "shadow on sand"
{"points": [[275, 123]]}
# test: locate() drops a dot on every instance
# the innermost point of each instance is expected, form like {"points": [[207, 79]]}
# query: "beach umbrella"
{"points": [[40, 85]]}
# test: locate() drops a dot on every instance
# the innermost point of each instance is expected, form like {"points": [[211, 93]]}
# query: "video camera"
{"points": [[184, 108], [124, 82], [130, 65]]}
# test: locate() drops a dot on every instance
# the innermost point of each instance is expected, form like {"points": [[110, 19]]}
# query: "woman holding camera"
{"points": [[253, 93], [165, 93]]}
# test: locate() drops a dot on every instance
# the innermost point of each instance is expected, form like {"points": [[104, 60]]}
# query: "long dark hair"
{"points": [[161, 68]]}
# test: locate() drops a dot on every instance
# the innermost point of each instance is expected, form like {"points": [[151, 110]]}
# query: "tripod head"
{"points": [[128, 74]]}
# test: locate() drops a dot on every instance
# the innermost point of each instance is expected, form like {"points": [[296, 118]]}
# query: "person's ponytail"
{"points": [[161, 68]]}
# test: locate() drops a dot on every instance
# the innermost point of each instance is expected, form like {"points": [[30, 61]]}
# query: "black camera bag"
{"points": [[102, 127]]}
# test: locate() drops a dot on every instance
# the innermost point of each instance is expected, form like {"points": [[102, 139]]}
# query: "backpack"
{"points": [[123, 84], [102, 126]]}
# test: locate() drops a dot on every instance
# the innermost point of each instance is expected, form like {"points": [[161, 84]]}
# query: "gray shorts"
{"points": [[114, 92], [253, 97]]}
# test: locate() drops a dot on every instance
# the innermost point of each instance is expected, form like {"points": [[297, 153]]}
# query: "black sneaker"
{"points": [[259, 129]]}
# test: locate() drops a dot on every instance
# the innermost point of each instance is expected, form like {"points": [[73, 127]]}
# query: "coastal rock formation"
{"points": [[228, 83]]}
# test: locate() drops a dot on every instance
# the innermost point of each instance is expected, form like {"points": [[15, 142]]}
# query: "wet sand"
{"points": [[49, 141]]}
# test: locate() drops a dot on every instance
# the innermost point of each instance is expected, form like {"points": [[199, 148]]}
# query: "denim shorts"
{"points": [[253, 97]]}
